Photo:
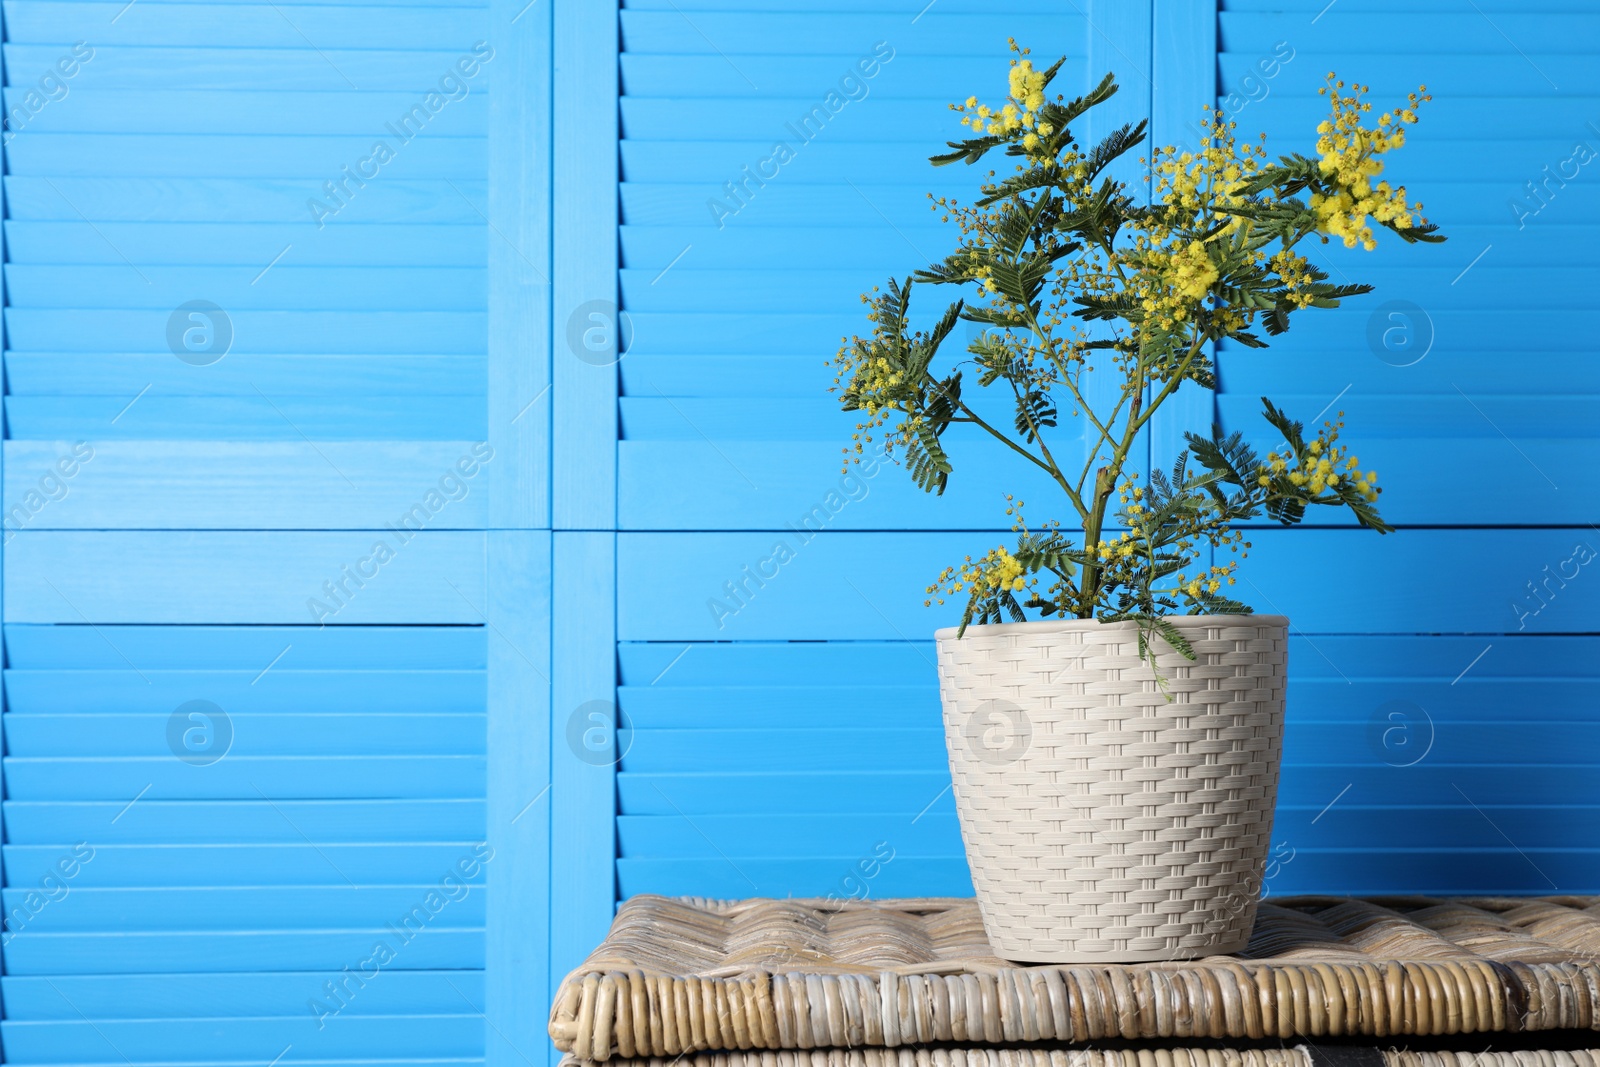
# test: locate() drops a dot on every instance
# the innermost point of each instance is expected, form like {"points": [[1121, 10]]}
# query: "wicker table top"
{"points": [[688, 975]]}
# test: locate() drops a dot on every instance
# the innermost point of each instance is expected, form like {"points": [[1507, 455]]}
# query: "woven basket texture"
{"points": [[1178, 1057], [680, 976], [1112, 812]]}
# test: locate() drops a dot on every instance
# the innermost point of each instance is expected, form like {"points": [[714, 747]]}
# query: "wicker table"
{"points": [[913, 983]]}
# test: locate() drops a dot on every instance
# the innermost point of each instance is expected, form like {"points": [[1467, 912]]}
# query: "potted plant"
{"points": [[1127, 813]]}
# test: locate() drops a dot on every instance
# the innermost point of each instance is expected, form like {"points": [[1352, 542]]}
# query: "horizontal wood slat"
{"points": [[250, 25], [236, 994], [148, 577], [837, 585]]}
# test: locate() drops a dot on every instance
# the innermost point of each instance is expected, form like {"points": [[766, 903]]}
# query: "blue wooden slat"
{"points": [[518, 614], [192, 111], [747, 663], [1457, 414], [312, 159], [303, 863], [754, 33], [285, 286], [292, 68], [1292, 107], [520, 265], [249, 25], [246, 778], [809, 75], [587, 299], [82, 647], [938, 834], [33, 822], [1351, 31], [260, 418], [584, 744], [776, 705], [279, 688], [807, 834], [1480, 374], [236, 200], [230, 909], [698, 485], [1474, 711], [909, 792], [903, 204], [879, 249], [1464, 872], [657, 375], [245, 374], [723, 419], [650, 120], [268, 734], [875, 247], [259, 485], [810, 876], [676, 586], [783, 484], [252, 577], [709, 164], [399, 332], [722, 749], [688, 289], [219, 995], [245, 243], [1402, 658], [156, 951], [425, 1037]]}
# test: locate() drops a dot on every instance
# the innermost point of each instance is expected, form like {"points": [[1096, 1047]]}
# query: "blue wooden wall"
{"points": [[1442, 731], [617, 255], [277, 547]]}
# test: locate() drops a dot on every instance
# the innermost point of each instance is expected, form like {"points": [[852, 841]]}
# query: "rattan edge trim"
{"points": [[633, 1014]]}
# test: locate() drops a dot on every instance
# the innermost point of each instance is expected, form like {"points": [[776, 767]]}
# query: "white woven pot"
{"points": [[1102, 821]]}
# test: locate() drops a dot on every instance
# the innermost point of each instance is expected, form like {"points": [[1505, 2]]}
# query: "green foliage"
{"points": [[1074, 282]]}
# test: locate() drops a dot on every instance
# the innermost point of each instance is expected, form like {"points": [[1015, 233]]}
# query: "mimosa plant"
{"points": [[1071, 275]]}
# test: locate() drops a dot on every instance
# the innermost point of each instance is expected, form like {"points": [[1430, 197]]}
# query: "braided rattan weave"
{"points": [[1178, 1057], [681, 976]]}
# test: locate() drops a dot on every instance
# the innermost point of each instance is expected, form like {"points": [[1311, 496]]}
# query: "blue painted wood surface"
{"points": [[774, 722], [781, 708], [244, 746]]}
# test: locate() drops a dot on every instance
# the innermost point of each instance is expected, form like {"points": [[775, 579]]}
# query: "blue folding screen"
{"points": [[774, 655], [272, 569], [777, 681], [244, 345], [1442, 717]]}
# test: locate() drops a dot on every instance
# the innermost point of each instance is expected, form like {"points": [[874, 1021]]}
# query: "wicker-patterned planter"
{"points": [[1111, 814]]}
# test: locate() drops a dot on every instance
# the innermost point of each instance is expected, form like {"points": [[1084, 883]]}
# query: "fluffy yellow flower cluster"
{"points": [[1121, 548], [881, 387], [1019, 112], [1194, 190], [1211, 179], [1324, 466], [1191, 272], [1207, 581], [1174, 281], [997, 571], [1294, 271], [1350, 161]]}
